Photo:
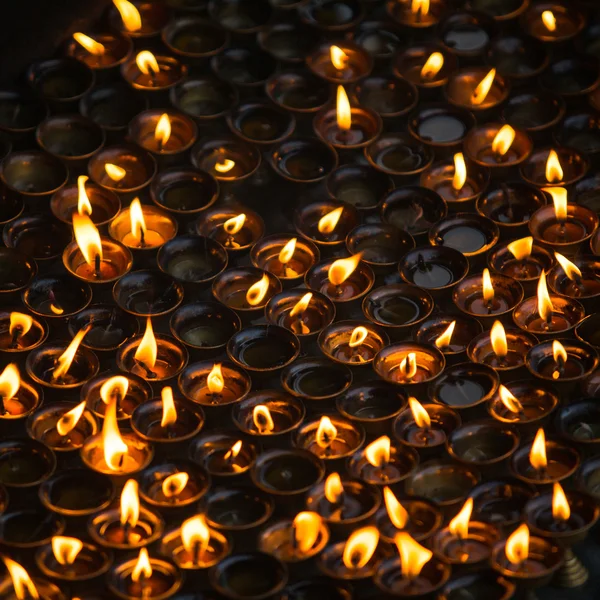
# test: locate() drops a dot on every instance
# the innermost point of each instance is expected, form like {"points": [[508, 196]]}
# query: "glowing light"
{"points": [[138, 223], [554, 170], [69, 420], [90, 44], [65, 549], [395, 511], [65, 360], [146, 63], [459, 526], [169, 412], [129, 14], [377, 453], [115, 172], [537, 454], [445, 338], [88, 239], [114, 449], [147, 350], [287, 252], [498, 340], [560, 357], [521, 249], [301, 305], [328, 223], [142, 569], [307, 527], [174, 484], [420, 415], [360, 547], [10, 382], [503, 140], [561, 510], [482, 90], [215, 381], [413, 557], [419, 6], [24, 588], [338, 57], [116, 387], [432, 66], [408, 366], [343, 112], [233, 451], [257, 291], [545, 307], [84, 206], [195, 535], [571, 270], [20, 324], [460, 171], [235, 224], [509, 400], [333, 488], [358, 336], [225, 165], [488, 288], [326, 432], [342, 268], [130, 504], [162, 133], [517, 545], [263, 421], [549, 20]]}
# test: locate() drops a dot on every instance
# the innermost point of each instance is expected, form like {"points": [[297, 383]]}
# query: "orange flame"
{"points": [[306, 526], [66, 549], [571, 270], [174, 484], [445, 338], [225, 165], [359, 335], [561, 510], [129, 14], [115, 172], [162, 133], [146, 62], [147, 351], [545, 307], [65, 360], [136, 218], [342, 268], [559, 198], [24, 588], [360, 547], [257, 291], [459, 526], [488, 288], [69, 420], [343, 112], [233, 451], [482, 90], [263, 421], [521, 249], [460, 171], [90, 44], [549, 20], [395, 511], [509, 400], [235, 224], [114, 448], [115, 387], [169, 412], [378, 452], [503, 140], [130, 504], [413, 556], [84, 206], [195, 533], [537, 454], [20, 324], [287, 252], [498, 339], [419, 6], [326, 432], [215, 381], [554, 170], [328, 223], [338, 57], [301, 305], [517, 545], [408, 366], [560, 356], [142, 569], [420, 415], [432, 65], [10, 382], [333, 488], [87, 238]]}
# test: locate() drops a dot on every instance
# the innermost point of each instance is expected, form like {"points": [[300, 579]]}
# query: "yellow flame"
{"points": [[90, 44], [263, 421], [114, 448], [235, 224], [521, 249], [146, 62], [306, 526], [509, 400], [24, 588], [195, 532], [169, 412], [162, 133], [419, 6], [328, 223], [66, 549], [147, 351], [115, 387], [215, 381], [545, 307], [10, 382], [57, 310], [561, 510], [360, 547], [129, 14], [549, 20], [503, 140], [378, 452], [87, 238], [420, 415], [130, 504], [498, 339], [413, 556], [571, 270], [560, 356], [225, 165], [287, 252], [488, 288], [459, 526], [342, 268], [460, 171], [482, 90], [174, 484], [142, 569], [257, 291], [69, 420], [136, 218], [408, 365], [66, 358], [343, 112], [19, 323], [395, 511], [326, 432], [115, 172], [537, 454], [517, 545], [445, 338], [432, 65], [554, 170], [358, 336], [338, 57], [233, 451], [333, 488], [301, 305], [84, 206]]}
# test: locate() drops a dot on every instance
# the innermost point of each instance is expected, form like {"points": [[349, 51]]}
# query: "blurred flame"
{"points": [[146, 62], [257, 291], [65, 360], [233, 451], [561, 510], [488, 288], [459, 526], [116, 386], [419, 6], [130, 15], [482, 90], [233, 225], [263, 421], [66, 549], [287, 252], [408, 366], [498, 339], [549, 20], [174, 484], [342, 268], [301, 305], [517, 545], [162, 133], [413, 556], [130, 504], [360, 547], [338, 57], [503, 140], [215, 381], [343, 112], [521, 249], [558, 352], [328, 222], [537, 454], [326, 432], [509, 400], [113, 447], [378, 452], [169, 412], [545, 307], [306, 526], [554, 171], [395, 511], [70, 419], [333, 488], [90, 44], [10, 382], [24, 588], [143, 568], [115, 172], [136, 218], [225, 165], [87, 238], [571, 270], [358, 336], [432, 66], [420, 415], [57, 310], [445, 338], [460, 171], [147, 350], [84, 206], [194, 532], [19, 323]]}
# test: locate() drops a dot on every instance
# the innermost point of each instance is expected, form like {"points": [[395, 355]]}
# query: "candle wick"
{"points": [[15, 336], [150, 374], [2, 406], [97, 272], [143, 235], [197, 553]]}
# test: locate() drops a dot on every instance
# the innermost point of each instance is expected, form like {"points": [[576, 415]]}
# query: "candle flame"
{"points": [[10, 382], [521, 249], [343, 112], [69, 420], [419, 6], [235, 224], [174, 484], [509, 400], [338, 57], [306, 527], [90, 44], [162, 133], [420, 415], [146, 62], [326, 432], [408, 366], [129, 14], [503, 140], [116, 387], [215, 381], [554, 170], [301, 305], [24, 588], [459, 526], [57, 310], [257, 291], [194, 532], [517, 545], [287, 252], [460, 171], [169, 412], [571, 270], [395, 511], [549, 20], [232, 453], [263, 421], [537, 454], [360, 547], [445, 338], [358, 336], [498, 339], [225, 165], [413, 556], [559, 198], [488, 288], [342, 268], [481, 91], [560, 357], [115, 172], [84, 206], [561, 510], [142, 569], [147, 350], [545, 307], [65, 549], [328, 223], [136, 218], [20, 324], [130, 504], [65, 360], [87, 238], [432, 66], [377, 453], [114, 448], [333, 488]]}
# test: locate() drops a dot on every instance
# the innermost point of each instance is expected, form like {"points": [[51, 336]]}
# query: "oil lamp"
{"points": [[223, 455], [284, 256], [417, 14], [352, 342], [398, 155], [382, 245], [261, 124], [236, 230], [138, 21], [194, 39], [554, 167], [341, 64], [297, 91], [26, 463], [103, 52], [149, 73], [467, 33], [244, 68], [20, 586], [427, 66], [22, 112], [389, 97], [19, 332], [575, 279], [516, 56], [482, 582], [327, 223], [552, 22], [477, 89], [18, 399]]}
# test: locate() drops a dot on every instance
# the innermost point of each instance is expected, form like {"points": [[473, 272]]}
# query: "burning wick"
{"points": [[459, 525], [545, 306], [90, 44], [173, 485], [232, 454], [20, 325], [413, 556], [84, 206], [115, 172], [488, 290], [10, 382], [130, 511], [64, 361], [499, 341], [340, 270], [444, 340], [298, 310], [334, 492], [138, 223], [378, 453], [22, 583], [257, 291], [503, 141], [69, 420], [285, 255], [66, 550], [338, 57], [483, 88], [408, 366], [231, 227], [262, 419], [561, 511], [560, 358], [195, 535], [509, 400], [521, 250], [517, 546], [397, 514], [343, 114], [571, 270], [549, 20], [419, 8], [147, 351], [432, 66], [328, 223], [89, 242], [147, 64], [129, 14], [326, 434], [215, 382], [162, 133], [142, 571], [360, 547], [305, 531], [422, 419], [460, 173], [169, 412], [357, 338], [554, 170], [224, 165], [537, 454]]}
